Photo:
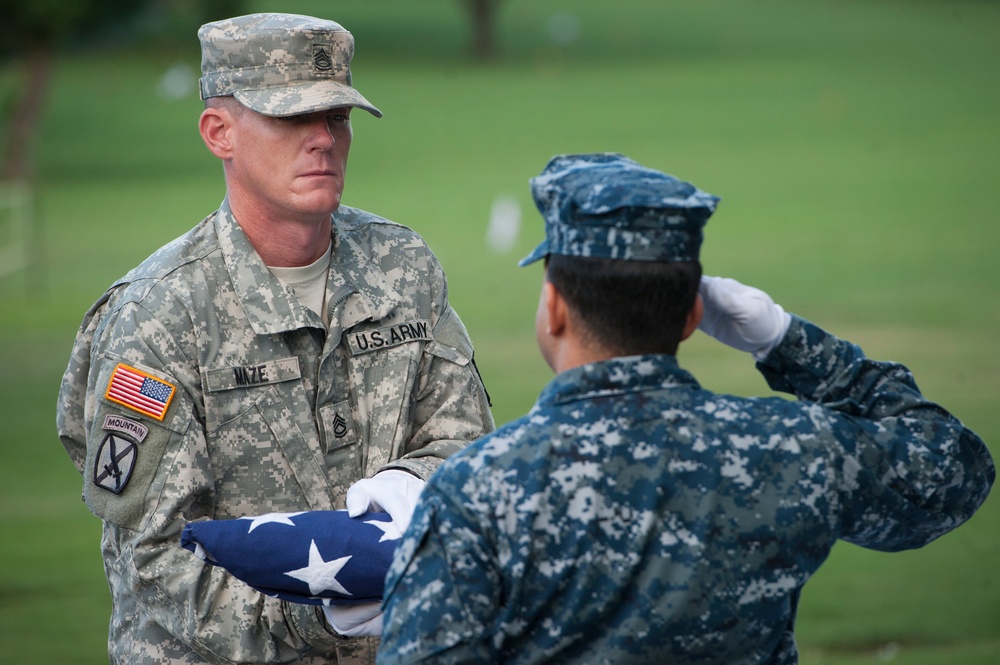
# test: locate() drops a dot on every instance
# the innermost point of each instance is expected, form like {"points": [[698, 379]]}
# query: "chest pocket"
{"points": [[232, 390], [382, 382], [263, 445]]}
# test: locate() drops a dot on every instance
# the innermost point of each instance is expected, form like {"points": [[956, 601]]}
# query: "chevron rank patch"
{"points": [[136, 390]]}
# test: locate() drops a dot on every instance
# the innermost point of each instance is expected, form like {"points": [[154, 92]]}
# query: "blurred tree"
{"points": [[33, 32], [483, 14]]}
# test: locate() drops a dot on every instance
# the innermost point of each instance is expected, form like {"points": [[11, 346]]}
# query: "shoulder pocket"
{"points": [[448, 353], [451, 332], [139, 411]]}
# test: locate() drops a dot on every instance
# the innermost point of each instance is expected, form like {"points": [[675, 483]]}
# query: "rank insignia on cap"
{"points": [[322, 58], [140, 392]]}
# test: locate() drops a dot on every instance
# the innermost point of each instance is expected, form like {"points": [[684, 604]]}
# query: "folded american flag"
{"points": [[320, 557]]}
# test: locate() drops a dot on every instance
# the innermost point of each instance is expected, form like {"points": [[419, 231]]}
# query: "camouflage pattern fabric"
{"points": [[607, 206], [280, 64], [634, 517], [242, 402]]}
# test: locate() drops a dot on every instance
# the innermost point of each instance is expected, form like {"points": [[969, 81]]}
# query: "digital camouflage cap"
{"points": [[280, 64], [604, 205]]}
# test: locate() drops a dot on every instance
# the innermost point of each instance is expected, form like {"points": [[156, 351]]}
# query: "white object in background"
{"points": [[505, 224]]}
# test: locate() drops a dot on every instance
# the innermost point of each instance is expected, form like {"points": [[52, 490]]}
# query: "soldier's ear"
{"points": [[215, 126], [555, 309], [693, 317]]}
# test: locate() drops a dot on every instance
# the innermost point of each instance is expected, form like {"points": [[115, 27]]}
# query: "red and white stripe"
{"points": [[125, 389]]}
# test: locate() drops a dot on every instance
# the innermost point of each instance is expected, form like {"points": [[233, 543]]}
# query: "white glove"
{"points": [[393, 491], [355, 620], [741, 316]]}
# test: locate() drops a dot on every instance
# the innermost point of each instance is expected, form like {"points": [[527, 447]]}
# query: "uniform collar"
{"points": [[616, 376], [357, 290]]}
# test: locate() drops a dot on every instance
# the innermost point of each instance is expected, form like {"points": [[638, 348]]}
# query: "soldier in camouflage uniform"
{"points": [[277, 356], [633, 516]]}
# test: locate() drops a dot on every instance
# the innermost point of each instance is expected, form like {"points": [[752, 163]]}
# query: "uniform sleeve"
{"points": [[443, 590], [451, 407], [908, 471], [146, 477], [72, 403]]}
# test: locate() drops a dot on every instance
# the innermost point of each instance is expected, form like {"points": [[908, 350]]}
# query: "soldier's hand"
{"points": [[741, 316], [393, 491]]}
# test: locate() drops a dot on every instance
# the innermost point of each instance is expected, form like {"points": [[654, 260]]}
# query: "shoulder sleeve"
{"points": [[909, 471], [442, 591], [71, 405], [450, 405], [147, 471]]}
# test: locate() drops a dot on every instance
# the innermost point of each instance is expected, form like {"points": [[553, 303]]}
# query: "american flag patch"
{"points": [[140, 391]]}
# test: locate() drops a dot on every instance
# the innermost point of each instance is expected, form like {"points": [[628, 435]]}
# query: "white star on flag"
{"points": [[276, 518], [319, 557], [321, 575], [389, 530]]}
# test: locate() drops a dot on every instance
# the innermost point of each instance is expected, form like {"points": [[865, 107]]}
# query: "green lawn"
{"points": [[855, 146]]}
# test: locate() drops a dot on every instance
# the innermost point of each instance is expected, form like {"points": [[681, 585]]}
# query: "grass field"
{"points": [[855, 146]]}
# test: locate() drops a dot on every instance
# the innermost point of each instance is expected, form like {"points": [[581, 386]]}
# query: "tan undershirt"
{"points": [[308, 282]]}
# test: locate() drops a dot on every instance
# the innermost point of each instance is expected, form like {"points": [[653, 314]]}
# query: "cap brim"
{"points": [[537, 254], [304, 98]]}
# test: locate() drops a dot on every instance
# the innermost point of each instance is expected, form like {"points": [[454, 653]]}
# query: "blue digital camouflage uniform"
{"points": [[632, 516], [249, 404]]}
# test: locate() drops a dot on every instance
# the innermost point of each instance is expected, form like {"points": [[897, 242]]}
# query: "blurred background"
{"points": [[855, 146]]}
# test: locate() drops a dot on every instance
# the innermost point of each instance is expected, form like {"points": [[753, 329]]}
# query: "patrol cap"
{"points": [[604, 205], [280, 64]]}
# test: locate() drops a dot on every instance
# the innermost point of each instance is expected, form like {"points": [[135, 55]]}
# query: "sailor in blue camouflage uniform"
{"points": [[633, 516], [287, 354]]}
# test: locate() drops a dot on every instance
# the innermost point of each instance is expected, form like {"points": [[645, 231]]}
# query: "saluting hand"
{"points": [[741, 316]]}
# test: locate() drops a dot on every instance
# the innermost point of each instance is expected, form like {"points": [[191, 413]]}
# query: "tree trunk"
{"points": [[17, 163], [483, 14]]}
